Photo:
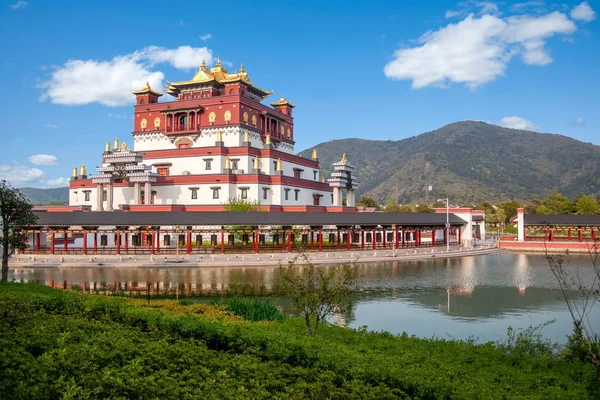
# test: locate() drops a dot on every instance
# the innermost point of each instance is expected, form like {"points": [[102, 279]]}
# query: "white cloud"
{"points": [[51, 126], [487, 7], [583, 12], [19, 4], [20, 174], [515, 122], [452, 14], [520, 7], [43, 159], [117, 116], [58, 182], [578, 122], [204, 38], [477, 50], [109, 82]]}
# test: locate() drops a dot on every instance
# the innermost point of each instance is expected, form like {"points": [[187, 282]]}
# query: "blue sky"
{"points": [[375, 70]]}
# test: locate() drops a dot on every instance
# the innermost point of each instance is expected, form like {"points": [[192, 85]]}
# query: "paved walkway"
{"points": [[240, 260]]}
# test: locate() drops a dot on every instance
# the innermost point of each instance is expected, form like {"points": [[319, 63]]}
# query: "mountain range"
{"points": [[467, 161]]}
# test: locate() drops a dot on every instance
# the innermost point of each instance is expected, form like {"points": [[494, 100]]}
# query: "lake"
{"points": [[475, 297]]}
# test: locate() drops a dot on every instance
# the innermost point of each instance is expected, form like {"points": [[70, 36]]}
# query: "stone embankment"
{"points": [[240, 260]]}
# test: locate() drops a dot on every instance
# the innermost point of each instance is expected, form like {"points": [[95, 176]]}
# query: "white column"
{"points": [[350, 202], [109, 197], [147, 193], [137, 192], [99, 197], [337, 198], [520, 225]]}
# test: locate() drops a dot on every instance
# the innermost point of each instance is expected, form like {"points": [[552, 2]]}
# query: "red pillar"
{"points": [[383, 235], [320, 240], [289, 242], [312, 238], [362, 238], [569, 234], [374, 240], [157, 241], [457, 235], [339, 243], [188, 242], [593, 235], [38, 237], [579, 235], [95, 242], [66, 242], [222, 242], [403, 238], [85, 243], [433, 237], [52, 239], [396, 238], [551, 235], [126, 243], [348, 240], [283, 246], [152, 240], [118, 240], [417, 238]]}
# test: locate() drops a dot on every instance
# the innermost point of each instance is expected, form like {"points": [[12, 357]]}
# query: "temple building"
{"points": [[214, 141]]}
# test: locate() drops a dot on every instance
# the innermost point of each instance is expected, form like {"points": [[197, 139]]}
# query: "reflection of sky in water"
{"points": [[472, 296]]}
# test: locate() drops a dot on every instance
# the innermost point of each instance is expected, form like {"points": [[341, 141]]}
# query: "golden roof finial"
{"points": [[322, 179], [246, 136], [74, 175], [344, 159], [314, 154], [218, 61], [82, 170], [256, 163], [107, 147], [219, 136], [279, 165], [268, 139], [203, 66], [227, 163], [116, 144], [242, 68], [148, 85]]}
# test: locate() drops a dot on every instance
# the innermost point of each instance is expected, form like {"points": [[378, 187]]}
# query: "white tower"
{"points": [[343, 178]]}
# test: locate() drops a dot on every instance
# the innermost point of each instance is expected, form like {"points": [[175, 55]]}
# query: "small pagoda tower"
{"points": [[146, 95], [343, 178]]}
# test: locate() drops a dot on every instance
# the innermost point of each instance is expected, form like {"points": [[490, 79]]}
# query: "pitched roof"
{"points": [[562, 219]]}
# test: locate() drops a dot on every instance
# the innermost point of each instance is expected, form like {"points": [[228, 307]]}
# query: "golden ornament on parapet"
{"points": [[212, 117], [143, 123], [157, 122]]}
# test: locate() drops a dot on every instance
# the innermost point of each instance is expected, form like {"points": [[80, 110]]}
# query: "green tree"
{"points": [[237, 204], [587, 205], [509, 208], [556, 203], [317, 292], [532, 206], [15, 212], [366, 201], [438, 204], [424, 208], [485, 206]]}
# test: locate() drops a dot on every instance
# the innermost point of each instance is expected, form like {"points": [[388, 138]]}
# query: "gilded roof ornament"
{"points": [[344, 159], [268, 139], [219, 136], [82, 171], [218, 62], [322, 179], [116, 145], [147, 89], [283, 102], [246, 136], [107, 147], [227, 163], [74, 174], [256, 163], [203, 66], [314, 154], [279, 165], [242, 68]]}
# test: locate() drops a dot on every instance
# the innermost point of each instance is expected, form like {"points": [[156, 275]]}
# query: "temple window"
{"points": [[103, 240], [231, 91], [167, 240], [287, 194], [265, 193], [207, 164], [183, 122], [142, 101], [274, 165], [332, 197], [162, 171], [215, 191], [296, 191], [194, 193], [234, 164], [315, 175], [86, 195], [298, 172], [104, 195], [244, 193]]}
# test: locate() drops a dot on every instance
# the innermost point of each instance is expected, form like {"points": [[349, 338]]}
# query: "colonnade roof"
{"points": [[198, 218], [561, 219]]}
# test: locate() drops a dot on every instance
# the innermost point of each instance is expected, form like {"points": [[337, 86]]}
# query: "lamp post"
{"points": [[447, 223]]}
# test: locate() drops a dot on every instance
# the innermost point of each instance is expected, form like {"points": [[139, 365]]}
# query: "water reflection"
{"points": [[462, 297]]}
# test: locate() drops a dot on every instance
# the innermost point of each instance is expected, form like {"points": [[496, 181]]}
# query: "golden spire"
{"points": [[148, 85], [107, 147], [227, 163], [246, 136], [82, 170], [322, 179], [268, 139], [116, 145], [279, 165], [219, 136], [218, 61], [203, 66], [74, 175], [344, 159], [314, 154], [242, 68], [256, 163]]}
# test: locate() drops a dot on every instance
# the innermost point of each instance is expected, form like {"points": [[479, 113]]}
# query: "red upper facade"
{"points": [[213, 98]]}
